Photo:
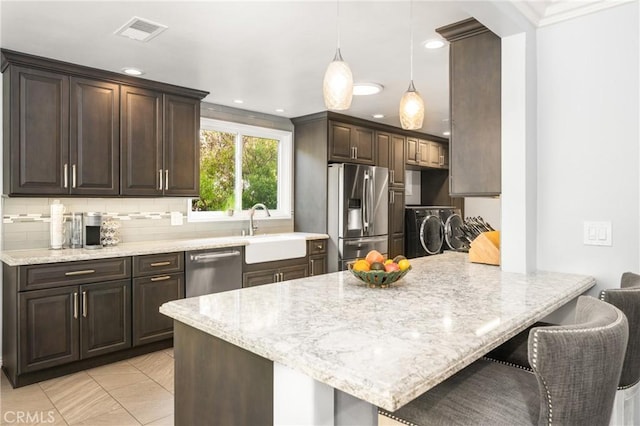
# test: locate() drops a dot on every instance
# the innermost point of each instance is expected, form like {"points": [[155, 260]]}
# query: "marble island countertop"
{"points": [[37, 256], [384, 346]]}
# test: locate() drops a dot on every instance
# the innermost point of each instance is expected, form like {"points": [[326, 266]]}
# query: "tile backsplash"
{"points": [[26, 220]]}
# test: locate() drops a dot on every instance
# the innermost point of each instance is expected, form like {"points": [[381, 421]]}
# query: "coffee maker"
{"points": [[91, 234]]}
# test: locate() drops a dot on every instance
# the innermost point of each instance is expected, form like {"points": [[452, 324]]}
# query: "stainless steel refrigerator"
{"points": [[357, 218]]}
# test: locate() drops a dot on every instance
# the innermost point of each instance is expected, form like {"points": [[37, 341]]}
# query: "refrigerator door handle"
{"points": [[365, 202]]}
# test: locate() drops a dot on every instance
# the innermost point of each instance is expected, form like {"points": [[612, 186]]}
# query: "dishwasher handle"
{"points": [[212, 257]]}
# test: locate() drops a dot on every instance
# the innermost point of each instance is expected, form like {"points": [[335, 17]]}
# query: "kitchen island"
{"points": [[329, 350]]}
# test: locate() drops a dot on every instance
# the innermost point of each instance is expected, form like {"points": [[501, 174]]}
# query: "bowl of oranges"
{"points": [[376, 271]]}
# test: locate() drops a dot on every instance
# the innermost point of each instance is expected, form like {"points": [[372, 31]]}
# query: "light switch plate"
{"points": [[176, 218], [597, 233]]}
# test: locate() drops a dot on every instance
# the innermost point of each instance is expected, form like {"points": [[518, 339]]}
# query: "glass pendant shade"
{"points": [[337, 87], [411, 109]]}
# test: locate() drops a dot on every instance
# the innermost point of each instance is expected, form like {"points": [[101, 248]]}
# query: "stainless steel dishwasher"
{"points": [[213, 270]]}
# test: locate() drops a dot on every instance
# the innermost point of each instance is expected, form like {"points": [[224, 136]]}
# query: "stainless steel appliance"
{"points": [[357, 208], [213, 270], [92, 221], [424, 231]]}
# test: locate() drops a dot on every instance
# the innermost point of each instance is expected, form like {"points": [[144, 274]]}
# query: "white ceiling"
{"points": [[270, 54]]}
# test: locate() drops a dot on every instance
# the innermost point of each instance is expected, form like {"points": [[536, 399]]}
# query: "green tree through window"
{"points": [[218, 174]]}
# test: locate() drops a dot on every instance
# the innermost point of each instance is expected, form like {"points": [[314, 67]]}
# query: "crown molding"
{"points": [[548, 12]]}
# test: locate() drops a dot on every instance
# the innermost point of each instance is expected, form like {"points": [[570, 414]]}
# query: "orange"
{"points": [[361, 266], [374, 256], [404, 264]]}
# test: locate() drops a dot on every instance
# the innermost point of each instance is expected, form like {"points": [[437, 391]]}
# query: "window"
{"points": [[240, 166]]}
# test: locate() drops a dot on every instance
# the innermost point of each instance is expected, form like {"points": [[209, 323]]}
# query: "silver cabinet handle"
{"points": [[319, 246], [442, 160], [281, 276], [313, 269], [84, 272], [84, 304], [356, 148], [162, 278], [73, 176], [75, 305], [275, 277], [391, 176], [65, 175], [160, 264], [166, 179], [161, 185], [393, 197]]}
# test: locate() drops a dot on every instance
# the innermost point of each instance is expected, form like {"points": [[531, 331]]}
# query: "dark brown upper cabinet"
{"points": [[74, 130], [351, 144], [427, 154], [35, 132], [94, 150], [475, 79], [391, 154]]}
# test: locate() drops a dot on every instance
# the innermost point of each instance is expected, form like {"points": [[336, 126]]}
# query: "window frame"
{"points": [[285, 171]]}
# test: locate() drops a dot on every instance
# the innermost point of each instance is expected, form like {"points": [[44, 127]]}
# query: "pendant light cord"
{"points": [[338, 22], [411, 39]]}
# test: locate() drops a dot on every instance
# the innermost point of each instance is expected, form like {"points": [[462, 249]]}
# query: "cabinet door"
{"points": [[48, 327], [382, 141], [396, 245], [423, 152], [317, 264], [412, 151], [293, 272], [397, 160], [363, 142], [94, 143], [475, 78], [396, 211], [444, 156], [268, 276], [105, 323], [38, 132], [181, 146], [142, 170], [434, 155], [340, 142], [149, 293]]}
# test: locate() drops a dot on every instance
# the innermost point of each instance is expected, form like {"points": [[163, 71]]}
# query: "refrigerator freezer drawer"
{"points": [[357, 248]]}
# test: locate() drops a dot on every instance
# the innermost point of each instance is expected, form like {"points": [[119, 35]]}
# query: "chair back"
{"points": [[627, 299], [578, 366]]}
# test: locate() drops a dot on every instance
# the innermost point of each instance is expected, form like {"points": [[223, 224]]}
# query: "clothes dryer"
{"points": [[424, 231]]}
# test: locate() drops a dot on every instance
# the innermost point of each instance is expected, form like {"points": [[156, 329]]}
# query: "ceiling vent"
{"points": [[140, 29]]}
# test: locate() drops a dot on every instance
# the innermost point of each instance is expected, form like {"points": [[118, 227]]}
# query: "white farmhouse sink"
{"points": [[267, 248]]}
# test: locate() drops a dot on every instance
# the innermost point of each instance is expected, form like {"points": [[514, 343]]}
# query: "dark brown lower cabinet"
{"points": [[48, 327], [149, 293], [105, 320], [62, 325], [396, 245], [317, 264]]}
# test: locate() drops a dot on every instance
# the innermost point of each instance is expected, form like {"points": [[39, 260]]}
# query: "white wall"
{"points": [[488, 208], [588, 142]]}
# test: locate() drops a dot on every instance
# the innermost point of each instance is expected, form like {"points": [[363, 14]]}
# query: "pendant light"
{"points": [[411, 104], [337, 87]]}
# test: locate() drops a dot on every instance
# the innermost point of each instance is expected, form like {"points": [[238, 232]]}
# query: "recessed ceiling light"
{"points": [[279, 110], [447, 133], [364, 89], [378, 115], [132, 71], [435, 43], [238, 101]]}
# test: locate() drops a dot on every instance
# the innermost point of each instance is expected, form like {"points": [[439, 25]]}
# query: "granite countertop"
{"points": [[384, 346], [37, 256]]}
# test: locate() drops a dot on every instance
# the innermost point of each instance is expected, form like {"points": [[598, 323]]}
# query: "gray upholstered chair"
{"points": [[627, 299], [575, 372]]}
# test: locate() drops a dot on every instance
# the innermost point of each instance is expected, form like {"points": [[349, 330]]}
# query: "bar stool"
{"points": [[575, 372], [626, 409]]}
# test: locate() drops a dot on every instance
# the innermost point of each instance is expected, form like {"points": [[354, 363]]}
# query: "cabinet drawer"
{"points": [[35, 277], [153, 264], [316, 247]]}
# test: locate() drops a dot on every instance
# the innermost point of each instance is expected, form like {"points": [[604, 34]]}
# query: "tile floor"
{"points": [[137, 391]]}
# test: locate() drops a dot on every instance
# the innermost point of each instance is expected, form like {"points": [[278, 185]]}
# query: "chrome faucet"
{"points": [[253, 228]]}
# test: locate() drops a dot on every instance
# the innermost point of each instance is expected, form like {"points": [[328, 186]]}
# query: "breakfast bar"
{"points": [[330, 350]]}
